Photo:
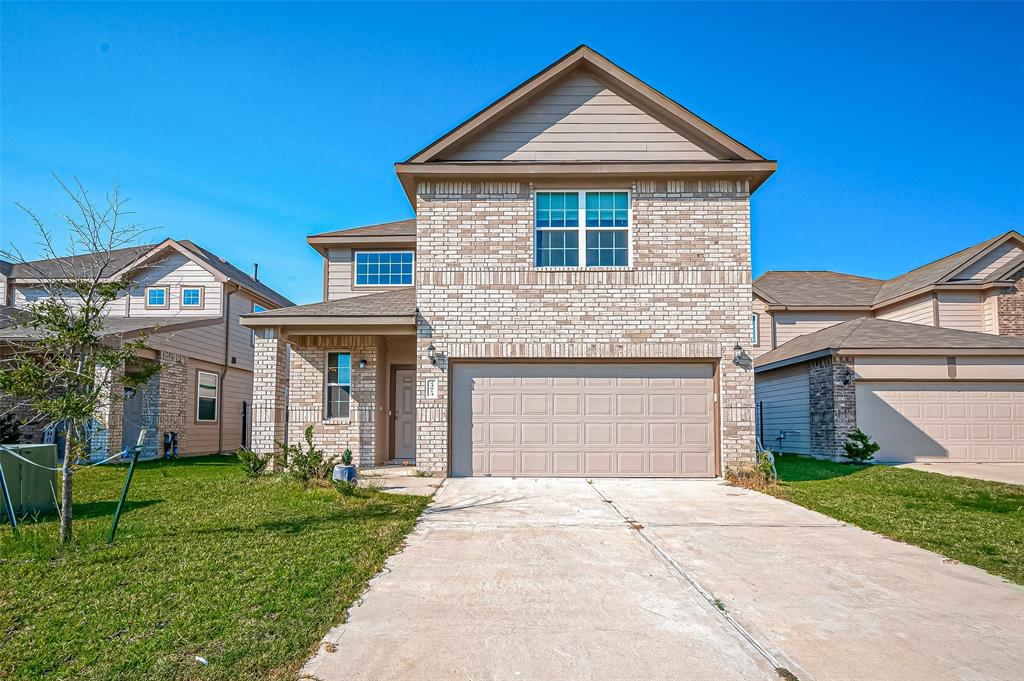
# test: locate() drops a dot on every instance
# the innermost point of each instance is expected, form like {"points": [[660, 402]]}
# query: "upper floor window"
{"points": [[252, 336], [755, 329], [156, 296], [384, 268], [591, 227], [338, 386], [191, 296]]}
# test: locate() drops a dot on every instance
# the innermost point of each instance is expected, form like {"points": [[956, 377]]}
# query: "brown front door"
{"points": [[404, 414]]}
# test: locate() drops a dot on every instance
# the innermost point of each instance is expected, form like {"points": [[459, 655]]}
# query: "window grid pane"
{"points": [[558, 248], [190, 297], [607, 209], [557, 209], [156, 296], [384, 268], [607, 248]]}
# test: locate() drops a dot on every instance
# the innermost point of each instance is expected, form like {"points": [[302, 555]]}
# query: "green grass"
{"points": [[248, 574], [973, 521]]}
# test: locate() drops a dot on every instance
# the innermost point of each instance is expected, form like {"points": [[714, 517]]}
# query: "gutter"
{"points": [[224, 370]]}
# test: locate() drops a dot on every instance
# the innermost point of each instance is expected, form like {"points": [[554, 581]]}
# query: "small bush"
{"points": [[253, 463], [307, 463], [860, 447], [760, 477], [346, 457], [344, 487], [10, 430]]}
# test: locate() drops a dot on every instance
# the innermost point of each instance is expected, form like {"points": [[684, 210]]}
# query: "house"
{"points": [[929, 363], [572, 298], [188, 301]]}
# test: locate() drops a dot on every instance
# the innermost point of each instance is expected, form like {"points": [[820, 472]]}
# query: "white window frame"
{"points": [[327, 385], [581, 228], [755, 331], [216, 395], [202, 296], [355, 268], [167, 297]]}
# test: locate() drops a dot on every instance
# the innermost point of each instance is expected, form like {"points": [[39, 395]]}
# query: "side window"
{"points": [[338, 388], [755, 331], [252, 336], [207, 394], [156, 297]]}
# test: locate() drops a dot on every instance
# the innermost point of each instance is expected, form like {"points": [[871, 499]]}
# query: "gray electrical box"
{"points": [[32, 488]]}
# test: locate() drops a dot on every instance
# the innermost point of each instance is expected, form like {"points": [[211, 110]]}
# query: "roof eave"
{"points": [[261, 320]]}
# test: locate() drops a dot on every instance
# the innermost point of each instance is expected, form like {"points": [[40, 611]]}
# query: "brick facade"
{"points": [[306, 396], [172, 406], [833, 404], [1010, 309], [268, 391], [686, 295]]}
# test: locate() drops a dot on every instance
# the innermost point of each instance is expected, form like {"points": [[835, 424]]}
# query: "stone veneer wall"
{"points": [[686, 295], [1010, 308], [306, 395], [833, 404]]}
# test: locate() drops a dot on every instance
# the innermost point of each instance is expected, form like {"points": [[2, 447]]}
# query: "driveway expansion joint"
{"points": [[715, 603]]}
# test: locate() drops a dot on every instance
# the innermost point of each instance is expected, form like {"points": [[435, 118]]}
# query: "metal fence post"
{"points": [[127, 482]]}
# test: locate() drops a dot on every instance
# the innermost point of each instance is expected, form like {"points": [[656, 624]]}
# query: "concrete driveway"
{"points": [[1010, 473], [561, 579]]}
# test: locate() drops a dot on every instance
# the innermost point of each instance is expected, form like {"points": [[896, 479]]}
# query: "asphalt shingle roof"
{"points": [[396, 228], [397, 303], [817, 288]]}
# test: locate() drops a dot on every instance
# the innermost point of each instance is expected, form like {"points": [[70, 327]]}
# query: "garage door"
{"points": [[944, 421], [592, 420]]}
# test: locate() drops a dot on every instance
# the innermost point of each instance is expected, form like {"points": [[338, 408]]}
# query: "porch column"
{"points": [[270, 378], [172, 401], [109, 415]]}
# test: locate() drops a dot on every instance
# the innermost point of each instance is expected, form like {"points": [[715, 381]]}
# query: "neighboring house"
{"points": [[188, 301], [573, 297], [929, 363]]}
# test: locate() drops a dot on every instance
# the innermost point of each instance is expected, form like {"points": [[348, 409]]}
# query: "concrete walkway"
{"points": [[561, 579], [1010, 473]]}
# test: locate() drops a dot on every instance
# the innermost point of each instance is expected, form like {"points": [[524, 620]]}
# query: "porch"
{"points": [[345, 367]]}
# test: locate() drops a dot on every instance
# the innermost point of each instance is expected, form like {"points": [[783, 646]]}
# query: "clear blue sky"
{"points": [[898, 128]]}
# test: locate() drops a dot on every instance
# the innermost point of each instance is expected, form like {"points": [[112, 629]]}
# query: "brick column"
{"points": [[270, 378], [833, 404], [109, 414], [172, 400]]}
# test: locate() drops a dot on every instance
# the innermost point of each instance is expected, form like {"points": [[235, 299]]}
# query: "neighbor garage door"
{"points": [[943, 421], [592, 420]]}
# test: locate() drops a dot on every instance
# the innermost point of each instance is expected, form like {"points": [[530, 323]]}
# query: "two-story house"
{"points": [[929, 363], [187, 301], [573, 297]]}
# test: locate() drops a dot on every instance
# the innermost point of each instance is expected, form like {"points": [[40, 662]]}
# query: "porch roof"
{"points": [[385, 309], [10, 330]]}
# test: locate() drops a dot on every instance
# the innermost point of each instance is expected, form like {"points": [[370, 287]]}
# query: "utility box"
{"points": [[32, 488]]}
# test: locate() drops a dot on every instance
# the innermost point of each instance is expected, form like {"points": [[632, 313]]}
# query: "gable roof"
{"points": [[386, 307], [128, 258], [611, 74], [835, 289], [872, 333]]}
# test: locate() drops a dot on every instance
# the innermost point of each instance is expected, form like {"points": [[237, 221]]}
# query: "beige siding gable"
{"points": [[991, 262], [790, 325], [964, 311], [580, 119], [338, 273], [916, 311]]}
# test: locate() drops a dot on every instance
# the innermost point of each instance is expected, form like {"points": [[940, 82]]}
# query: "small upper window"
{"points": [[156, 297], [191, 297], [574, 227], [755, 330], [206, 396], [384, 268], [255, 308]]}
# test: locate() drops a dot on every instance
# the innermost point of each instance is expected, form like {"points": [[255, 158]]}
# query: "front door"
{"points": [[404, 414]]}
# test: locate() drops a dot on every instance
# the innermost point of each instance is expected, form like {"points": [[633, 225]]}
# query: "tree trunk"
{"points": [[65, 487]]}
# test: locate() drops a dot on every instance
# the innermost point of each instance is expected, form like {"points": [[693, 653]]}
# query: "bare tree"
{"points": [[65, 366]]}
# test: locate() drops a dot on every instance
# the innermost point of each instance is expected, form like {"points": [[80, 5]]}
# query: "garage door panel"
{"points": [[630, 420], [944, 421]]}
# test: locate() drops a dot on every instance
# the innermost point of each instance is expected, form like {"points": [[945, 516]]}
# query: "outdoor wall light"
{"points": [[848, 377], [432, 354], [740, 358], [362, 364]]}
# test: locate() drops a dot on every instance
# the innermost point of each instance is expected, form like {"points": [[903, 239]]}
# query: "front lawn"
{"points": [[247, 574], [973, 521]]}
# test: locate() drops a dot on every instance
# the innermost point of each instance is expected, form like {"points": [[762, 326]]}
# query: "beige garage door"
{"points": [[592, 420], [943, 421]]}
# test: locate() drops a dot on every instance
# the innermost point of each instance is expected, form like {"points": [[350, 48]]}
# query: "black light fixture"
{"points": [[362, 363], [848, 377], [740, 358], [432, 353]]}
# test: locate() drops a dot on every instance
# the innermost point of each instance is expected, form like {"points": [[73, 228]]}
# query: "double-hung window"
{"points": [[339, 385], [384, 268], [206, 396], [582, 228]]}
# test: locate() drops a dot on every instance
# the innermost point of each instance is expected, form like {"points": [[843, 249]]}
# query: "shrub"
{"points": [[760, 477], [346, 457], [307, 463], [344, 487], [860, 447], [10, 430], [253, 463]]}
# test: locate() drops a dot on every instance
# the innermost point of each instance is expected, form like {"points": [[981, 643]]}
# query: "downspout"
{"points": [[224, 368]]}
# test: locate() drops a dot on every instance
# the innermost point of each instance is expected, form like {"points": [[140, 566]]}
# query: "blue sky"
{"points": [[244, 127]]}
